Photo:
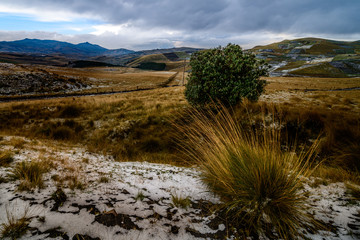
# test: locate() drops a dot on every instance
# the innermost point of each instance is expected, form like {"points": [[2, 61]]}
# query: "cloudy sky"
{"points": [[148, 24]]}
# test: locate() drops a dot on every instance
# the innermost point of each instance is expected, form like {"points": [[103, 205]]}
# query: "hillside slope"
{"points": [[312, 57]]}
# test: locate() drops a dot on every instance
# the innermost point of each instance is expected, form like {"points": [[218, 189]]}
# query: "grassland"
{"points": [[50, 81], [139, 126], [115, 78]]}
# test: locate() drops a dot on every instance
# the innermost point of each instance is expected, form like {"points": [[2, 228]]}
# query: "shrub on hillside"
{"points": [[63, 133], [226, 75], [70, 111]]}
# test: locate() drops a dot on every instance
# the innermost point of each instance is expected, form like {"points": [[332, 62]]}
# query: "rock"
{"points": [[59, 197], [112, 218], [174, 229], [83, 237]]}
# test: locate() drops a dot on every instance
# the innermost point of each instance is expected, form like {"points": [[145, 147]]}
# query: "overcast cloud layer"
{"points": [[140, 24]]}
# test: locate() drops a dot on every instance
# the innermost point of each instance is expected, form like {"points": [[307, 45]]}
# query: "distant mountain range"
{"points": [[51, 47], [78, 51], [297, 57]]}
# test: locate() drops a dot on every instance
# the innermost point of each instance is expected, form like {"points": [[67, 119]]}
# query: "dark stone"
{"points": [[111, 218], [125, 191], [353, 226], [55, 233], [174, 229], [83, 237], [59, 197]]}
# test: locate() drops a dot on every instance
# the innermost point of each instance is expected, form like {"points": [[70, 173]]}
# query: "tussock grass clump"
{"points": [[17, 142], [354, 190], [62, 133], [140, 196], [260, 185], [70, 111], [15, 227], [6, 157], [341, 144], [30, 175], [180, 202], [336, 174]]}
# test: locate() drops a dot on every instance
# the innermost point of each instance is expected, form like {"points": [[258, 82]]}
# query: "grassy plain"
{"points": [[115, 78], [140, 126]]}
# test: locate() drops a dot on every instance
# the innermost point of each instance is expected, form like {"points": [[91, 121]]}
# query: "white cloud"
{"points": [[43, 14], [140, 24]]}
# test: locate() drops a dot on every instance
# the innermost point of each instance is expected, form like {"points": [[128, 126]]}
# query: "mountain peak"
{"points": [[36, 46]]}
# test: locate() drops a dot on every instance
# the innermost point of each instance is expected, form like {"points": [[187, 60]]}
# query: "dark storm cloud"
{"points": [[218, 16]]}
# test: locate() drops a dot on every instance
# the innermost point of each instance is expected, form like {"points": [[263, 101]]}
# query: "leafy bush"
{"points": [[260, 185], [226, 75]]}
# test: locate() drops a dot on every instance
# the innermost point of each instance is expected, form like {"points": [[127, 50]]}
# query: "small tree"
{"points": [[224, 74]]}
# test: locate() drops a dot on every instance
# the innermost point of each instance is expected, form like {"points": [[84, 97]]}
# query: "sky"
{"points": [[150, 24]]}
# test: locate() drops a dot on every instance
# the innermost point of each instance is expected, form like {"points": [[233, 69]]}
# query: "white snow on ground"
{"points": [[320, 60], [154, 217]]}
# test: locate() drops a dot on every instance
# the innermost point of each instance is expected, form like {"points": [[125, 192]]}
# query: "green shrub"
{"points": [[226, 75], [259, 184]]}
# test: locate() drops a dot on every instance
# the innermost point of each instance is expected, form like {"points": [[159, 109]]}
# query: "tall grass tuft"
{"points": [[15, 227], [259, 185], [6, 157], [30, 175]]}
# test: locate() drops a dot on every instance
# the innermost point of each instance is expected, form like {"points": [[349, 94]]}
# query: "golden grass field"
{"points": [[116, 78], [147, 126], [138, 125]]}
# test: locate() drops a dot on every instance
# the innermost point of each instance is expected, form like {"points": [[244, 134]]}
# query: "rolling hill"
{"points": [[51, 47], [50, 52], [312, 57]]}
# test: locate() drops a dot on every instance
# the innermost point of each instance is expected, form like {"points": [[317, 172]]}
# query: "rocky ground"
{"points": [[26, 79], [90, 196]]}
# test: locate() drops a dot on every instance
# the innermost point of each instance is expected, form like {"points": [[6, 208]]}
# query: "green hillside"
{"points": [[312, 57], [164, 61]]}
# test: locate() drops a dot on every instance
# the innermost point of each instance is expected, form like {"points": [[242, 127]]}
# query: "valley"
{"points": [[106, 157]]}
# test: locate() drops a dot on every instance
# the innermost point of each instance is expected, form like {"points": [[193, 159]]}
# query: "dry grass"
{"points": [[115, 78], [180, 201], [259, 184], [301, 83], [15, 227], [354, 191], [329, 174], [30, 175], [6, 157], [136, 126], [17, 142]]}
